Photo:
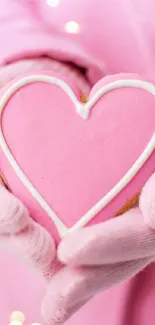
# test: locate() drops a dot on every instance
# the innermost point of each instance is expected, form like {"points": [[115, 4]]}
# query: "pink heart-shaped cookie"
{"points": [[74, 164]]}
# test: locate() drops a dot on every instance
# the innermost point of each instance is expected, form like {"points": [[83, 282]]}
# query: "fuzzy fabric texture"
{"points": [[10, 71]]}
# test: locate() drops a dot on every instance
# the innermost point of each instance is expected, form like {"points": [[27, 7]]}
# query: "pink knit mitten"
{"points": [[23, 236], [99, 257]]}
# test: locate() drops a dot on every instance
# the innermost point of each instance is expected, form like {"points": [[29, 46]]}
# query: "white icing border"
{"points": [[84, 111]]}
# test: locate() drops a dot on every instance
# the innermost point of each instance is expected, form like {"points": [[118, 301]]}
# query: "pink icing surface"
{"points": [[69, 160]]}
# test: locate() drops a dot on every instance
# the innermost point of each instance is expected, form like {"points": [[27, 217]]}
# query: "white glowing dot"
{"points": [[72, 27], [53, 3], [35, 324], [16, 322], [17, 316]]}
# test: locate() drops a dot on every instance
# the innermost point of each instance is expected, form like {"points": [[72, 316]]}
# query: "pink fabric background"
{"points": [[20, 289]]}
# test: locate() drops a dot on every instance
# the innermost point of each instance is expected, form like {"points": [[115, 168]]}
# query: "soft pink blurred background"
{"points": [[20, 289]]}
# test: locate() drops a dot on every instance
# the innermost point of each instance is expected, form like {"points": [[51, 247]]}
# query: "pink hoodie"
{"points": [[114, 36]]}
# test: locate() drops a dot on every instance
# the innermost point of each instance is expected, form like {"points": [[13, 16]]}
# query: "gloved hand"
{"points": [[99, 257], [23, 236]]}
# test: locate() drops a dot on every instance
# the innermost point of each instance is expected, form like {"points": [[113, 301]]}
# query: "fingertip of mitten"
{"points": [[49, 314], [59, 319]]}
